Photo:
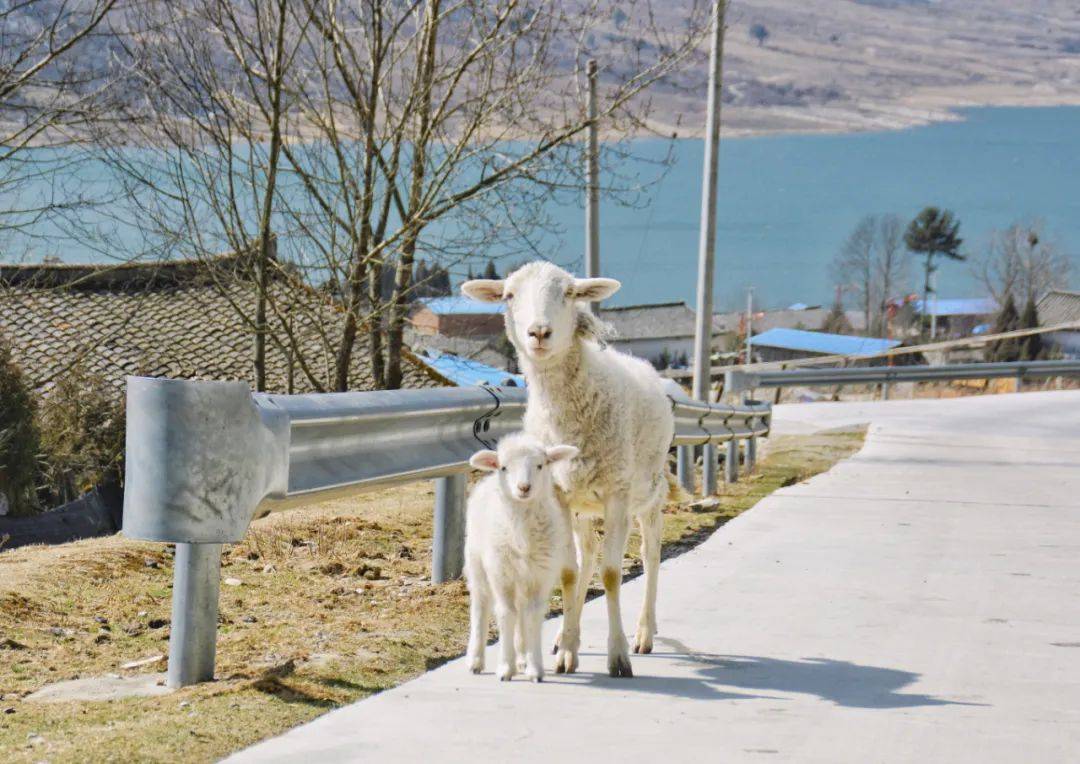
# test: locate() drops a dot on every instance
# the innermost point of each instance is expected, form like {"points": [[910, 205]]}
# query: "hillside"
{"points": [[844, 65]]}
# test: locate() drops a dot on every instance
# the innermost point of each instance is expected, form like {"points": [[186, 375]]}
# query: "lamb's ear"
{"points": [[595, 290], [484, 290], [561, 453], [488, 461]]}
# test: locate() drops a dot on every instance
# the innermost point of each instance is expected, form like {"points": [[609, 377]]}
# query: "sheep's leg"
{"points": [[533, 622], [616, 530], [584, 550], [507, 617], [651, 526], [575, 586]]}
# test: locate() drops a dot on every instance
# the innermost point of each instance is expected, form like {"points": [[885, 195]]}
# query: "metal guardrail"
{"points": [[204, 459], [737, 380]]}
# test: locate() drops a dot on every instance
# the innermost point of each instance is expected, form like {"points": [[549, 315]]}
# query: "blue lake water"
{"points": [[786, 204]]}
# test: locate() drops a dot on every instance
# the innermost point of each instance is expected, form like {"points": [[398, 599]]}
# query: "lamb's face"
{"points": [[523, 466], [541, 310]]}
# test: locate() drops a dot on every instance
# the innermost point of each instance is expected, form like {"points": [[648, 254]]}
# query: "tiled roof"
{"points": [[810, 318], [1059, 307], [171, 320], [660, 320], [822, 342]]}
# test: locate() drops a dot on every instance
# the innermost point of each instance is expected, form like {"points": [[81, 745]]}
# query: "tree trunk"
{"points": [[403, 277]]}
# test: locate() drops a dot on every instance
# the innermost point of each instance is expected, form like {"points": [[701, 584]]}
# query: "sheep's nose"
{"points": [[540, 331], [524, 488]]}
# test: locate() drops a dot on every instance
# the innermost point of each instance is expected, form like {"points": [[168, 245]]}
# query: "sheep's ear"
{"points": [[561, 453], [488, 461], [595, 290], [484, 290]]}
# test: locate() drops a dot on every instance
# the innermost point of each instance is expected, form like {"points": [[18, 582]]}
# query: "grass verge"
{"points": [[319, 608]]}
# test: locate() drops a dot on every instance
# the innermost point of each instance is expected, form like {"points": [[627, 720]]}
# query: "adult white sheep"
{"points": [[517, 544], [613, 408]]}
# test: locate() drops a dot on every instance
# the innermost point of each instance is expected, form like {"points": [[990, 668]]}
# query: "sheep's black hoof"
{"points": [[619, 667]]}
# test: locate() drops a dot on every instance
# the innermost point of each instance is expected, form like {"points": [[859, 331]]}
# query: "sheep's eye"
{"points": [[503, 469], [509, 296], [540, 467]]}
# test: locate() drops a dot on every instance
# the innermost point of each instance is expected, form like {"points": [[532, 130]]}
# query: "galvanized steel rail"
{"points": [[736, 380], [206, 458]]}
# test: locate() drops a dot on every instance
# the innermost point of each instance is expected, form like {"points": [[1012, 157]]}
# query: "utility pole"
{"points": [[749, 324], [592, 191], [707, 242]]}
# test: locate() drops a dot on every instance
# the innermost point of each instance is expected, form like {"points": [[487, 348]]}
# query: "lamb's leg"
{"points": [[506, 616], [521, 634], [479, 616], [533, 623], [616, 530], [651, 527]]}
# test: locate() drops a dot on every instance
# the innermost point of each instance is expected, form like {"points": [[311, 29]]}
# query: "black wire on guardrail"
{"points": [[483, 422]]}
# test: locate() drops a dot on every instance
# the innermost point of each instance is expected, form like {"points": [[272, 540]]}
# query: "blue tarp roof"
{"points": [[965, 306], [820, 342], [464, 371], [460, 305]]}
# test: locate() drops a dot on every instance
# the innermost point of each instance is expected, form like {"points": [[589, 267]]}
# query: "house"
{"points": [[782, 344], [958, 317], [656, 332], [1061, 307], [465, 371], [179, 319], [457, 316]]}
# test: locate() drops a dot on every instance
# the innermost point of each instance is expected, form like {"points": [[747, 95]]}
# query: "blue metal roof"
{"points": [[820, 342], [965, 306], [464, 372], [461, 305]]}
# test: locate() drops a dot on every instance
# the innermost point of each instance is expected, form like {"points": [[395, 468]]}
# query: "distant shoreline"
{"points": [[919, 109]]}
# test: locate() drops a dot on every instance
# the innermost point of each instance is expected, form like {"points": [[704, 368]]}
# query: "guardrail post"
{"points": [[708, 469], [448, 544], [731, 462], [193, 638], [751, 453], [684, 467]]}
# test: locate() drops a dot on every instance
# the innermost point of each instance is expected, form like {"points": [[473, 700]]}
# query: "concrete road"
{"points": [[918, 603]]}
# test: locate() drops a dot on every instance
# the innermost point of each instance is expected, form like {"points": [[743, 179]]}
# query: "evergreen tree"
{"points": [[19, 439], [1008, 319], [933, 232], [489, 270], [1031, 347]]}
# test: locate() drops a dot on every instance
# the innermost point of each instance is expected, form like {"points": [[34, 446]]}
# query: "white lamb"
{"points": [[517, 544], [614, 409]]}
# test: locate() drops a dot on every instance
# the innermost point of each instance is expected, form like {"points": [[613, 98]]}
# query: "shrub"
{"points": [[18, 439], [81, 422]]}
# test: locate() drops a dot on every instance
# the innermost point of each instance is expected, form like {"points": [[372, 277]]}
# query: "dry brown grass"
{"points": [[332, 605]]}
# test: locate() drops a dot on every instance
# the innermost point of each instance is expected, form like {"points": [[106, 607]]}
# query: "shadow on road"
{"points": [[719, 677]]}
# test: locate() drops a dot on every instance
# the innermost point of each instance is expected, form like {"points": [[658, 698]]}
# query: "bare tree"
{"points": [[1023, 263], [403, 130], [47, 97], [871, 265], [891, 267], [853, 267]]}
